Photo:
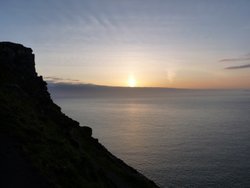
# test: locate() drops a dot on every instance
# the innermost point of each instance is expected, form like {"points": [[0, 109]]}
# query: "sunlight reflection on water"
{"points": [[192, 140]]}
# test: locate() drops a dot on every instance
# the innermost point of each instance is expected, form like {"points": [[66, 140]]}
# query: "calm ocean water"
{"points": [[180, 139]]}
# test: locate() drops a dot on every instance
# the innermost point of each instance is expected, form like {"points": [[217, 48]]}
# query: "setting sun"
{"points": [[131, 81]]}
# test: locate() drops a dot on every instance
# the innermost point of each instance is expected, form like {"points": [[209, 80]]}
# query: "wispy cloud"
{"points": [[235, 59], [238, 67], [53, 79]]}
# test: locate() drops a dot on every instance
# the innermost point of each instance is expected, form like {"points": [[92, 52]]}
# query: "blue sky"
{"points": [[178, 43]]}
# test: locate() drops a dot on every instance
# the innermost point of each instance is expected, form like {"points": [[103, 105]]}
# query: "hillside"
{"points": [[42, 147]]}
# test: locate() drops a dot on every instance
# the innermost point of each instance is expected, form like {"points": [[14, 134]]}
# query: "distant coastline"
{"points": [[91, 90]]}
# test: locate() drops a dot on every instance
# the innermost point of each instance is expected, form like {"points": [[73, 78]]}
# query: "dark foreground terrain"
{"points": [[42, 147]]}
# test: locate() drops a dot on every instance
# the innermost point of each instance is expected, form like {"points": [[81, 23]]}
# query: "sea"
{"points": [[178, 138]]}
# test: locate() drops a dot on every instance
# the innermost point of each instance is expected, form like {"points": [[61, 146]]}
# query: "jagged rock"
{"points": [[87, 131]]}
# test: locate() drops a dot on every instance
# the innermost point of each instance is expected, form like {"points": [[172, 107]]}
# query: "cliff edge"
{"points": [[42, 147]]}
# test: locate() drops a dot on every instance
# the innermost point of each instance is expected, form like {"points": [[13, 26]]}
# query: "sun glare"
{"points": [[131, 81]]}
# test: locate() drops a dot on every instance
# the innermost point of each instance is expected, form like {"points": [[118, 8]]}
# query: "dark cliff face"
{"points": [[41, 146]]}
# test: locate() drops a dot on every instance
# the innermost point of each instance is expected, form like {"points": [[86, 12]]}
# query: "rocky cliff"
{"points": [[42, 147]]}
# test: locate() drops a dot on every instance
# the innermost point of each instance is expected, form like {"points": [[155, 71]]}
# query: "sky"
{"points": [[143, 43]]}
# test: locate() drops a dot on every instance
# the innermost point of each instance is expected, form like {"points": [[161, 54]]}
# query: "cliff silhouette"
{"points": [[42, 147]]}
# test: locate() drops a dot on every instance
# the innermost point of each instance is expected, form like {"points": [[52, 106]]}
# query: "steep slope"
{"points": [[41, 146]]}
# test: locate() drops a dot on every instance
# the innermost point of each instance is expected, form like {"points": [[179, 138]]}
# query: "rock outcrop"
{"points": [[41, 146]]}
